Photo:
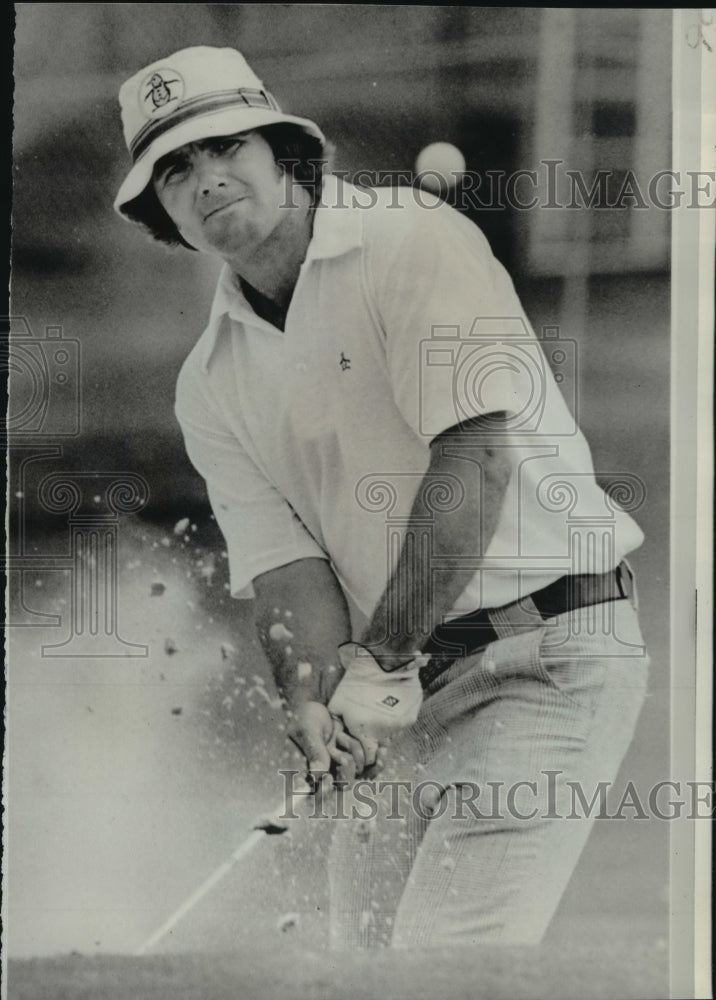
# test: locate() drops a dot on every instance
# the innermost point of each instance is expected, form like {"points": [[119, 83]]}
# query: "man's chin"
{"points": [[225, 236]]}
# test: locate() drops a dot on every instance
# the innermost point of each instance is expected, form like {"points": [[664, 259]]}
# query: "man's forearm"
{"points": [[425, 585], [302, 617]]}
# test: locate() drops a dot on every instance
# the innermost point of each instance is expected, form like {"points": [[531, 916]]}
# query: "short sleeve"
{"points": [[261, 529], [457, 343]]}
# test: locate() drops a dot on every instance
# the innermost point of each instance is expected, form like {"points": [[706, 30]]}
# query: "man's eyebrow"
{"points": [[166, 161], [177, 155]]}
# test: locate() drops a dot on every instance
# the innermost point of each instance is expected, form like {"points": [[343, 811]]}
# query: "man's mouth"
{"points": [[220, 208]]}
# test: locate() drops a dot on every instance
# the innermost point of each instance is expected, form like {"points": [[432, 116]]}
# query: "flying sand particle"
{"points": [[278, 632], [274, 703], [304, 670], [288, 921], [271, 826], [366, 829]]}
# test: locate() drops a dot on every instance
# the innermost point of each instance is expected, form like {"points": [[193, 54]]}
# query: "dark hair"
{"points": [[296, 151]]}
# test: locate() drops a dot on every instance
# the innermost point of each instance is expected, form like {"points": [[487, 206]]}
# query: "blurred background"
{"points": [[512, 88]]}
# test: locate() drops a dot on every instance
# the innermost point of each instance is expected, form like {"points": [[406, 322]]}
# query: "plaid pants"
{"points": [[466, 840]]}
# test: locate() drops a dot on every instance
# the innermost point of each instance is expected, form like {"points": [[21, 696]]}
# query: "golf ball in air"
{"points": [[441, 162]]}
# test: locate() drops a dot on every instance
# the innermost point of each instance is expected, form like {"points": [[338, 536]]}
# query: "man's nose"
{"points": [[211, 175]]}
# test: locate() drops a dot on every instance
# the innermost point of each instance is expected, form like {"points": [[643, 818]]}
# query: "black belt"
{"points": [[469, 633]]}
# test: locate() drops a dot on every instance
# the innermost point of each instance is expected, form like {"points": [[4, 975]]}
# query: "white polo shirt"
{"points": [[314, 441]]}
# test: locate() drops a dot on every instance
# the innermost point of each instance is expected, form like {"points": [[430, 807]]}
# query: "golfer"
{"points": [[438, 580]]}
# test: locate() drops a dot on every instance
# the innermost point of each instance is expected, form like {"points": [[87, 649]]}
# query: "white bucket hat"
{"points": [[194, 94]]}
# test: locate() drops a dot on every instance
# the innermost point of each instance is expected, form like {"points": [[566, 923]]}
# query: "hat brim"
{"points": [[223, 122]]}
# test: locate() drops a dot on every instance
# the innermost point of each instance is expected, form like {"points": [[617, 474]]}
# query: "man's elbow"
{"points": [[464, 445]]}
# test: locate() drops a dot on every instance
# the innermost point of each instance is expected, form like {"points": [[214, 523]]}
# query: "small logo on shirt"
{"points": [[391, 701], [344, 362]]}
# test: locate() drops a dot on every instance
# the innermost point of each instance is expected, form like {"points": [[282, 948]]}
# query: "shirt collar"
{"points": [[338, 225], [337, 229]]}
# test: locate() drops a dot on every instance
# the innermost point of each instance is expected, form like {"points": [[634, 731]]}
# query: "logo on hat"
{"points": [[160, 92], [391, 701]]}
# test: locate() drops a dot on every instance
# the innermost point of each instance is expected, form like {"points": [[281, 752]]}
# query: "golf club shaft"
{"points": [[255, 837]]}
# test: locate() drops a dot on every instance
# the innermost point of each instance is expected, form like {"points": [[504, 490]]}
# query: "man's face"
{"points": [[225, 195]]}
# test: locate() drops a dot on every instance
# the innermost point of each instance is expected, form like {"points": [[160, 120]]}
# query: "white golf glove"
{"points": [[373, 703]]}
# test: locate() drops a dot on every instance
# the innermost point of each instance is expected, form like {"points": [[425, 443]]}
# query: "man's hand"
{"points": [[330, 752], [374, 705], [302, 619]]}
